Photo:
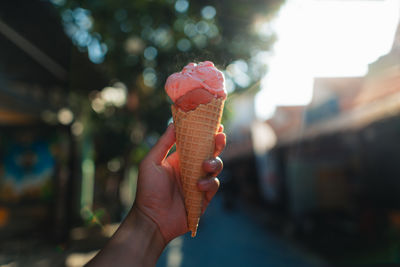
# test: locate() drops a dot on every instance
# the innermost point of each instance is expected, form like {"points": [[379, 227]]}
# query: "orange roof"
{"points": [[345, 89], [286, 120]]}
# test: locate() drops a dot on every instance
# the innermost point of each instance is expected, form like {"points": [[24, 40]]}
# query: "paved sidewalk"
{"points": [[232, 239]]}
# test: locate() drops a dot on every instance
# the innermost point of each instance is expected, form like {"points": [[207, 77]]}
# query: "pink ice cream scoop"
{"points": [[195, 84]]}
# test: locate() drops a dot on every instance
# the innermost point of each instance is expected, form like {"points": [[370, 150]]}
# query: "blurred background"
{"points": [[312, 173]]}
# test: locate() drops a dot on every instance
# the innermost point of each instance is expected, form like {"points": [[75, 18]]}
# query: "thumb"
{"points": [[160, 150]]}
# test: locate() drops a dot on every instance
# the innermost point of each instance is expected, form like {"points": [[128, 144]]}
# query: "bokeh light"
{"points": [[212, 31], [134, 45], [78, 24], [114, 165], [149, 77], [181, 6], [229, 84], [202, 27], [65, 116], [179, 24], [58, 2], [183, 45], [150, 53], [162, 37], [208, 12], [77, 128], [126, 27], [98, 105], [115, 95], [237, 70], [190, 29], [200, 40]]}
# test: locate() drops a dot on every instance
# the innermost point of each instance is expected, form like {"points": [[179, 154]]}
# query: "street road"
{"points": [[233, 239]]}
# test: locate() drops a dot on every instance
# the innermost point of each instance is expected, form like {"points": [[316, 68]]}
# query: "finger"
{"points": [[220, 143], [221, 128], [160, 150], [173, 161], [213, 166], [210, 188]]}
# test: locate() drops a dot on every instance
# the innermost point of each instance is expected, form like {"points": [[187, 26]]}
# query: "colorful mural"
{"points": [[28, 167]]}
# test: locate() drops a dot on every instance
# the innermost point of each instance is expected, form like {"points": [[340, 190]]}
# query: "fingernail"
{"points": [[204, 182], [213, 163]]}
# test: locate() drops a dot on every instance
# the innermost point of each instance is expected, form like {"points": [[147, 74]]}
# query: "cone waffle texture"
{"points": [[195, 142]]}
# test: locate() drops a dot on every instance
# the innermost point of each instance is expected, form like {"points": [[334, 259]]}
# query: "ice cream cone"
{"points": [[195, 142]]}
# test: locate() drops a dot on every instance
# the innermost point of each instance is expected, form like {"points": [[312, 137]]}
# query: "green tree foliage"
{"points": [[138, 43]]}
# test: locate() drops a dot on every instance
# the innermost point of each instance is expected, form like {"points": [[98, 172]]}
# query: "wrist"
{"points": [[147, 240], [137, 242]]}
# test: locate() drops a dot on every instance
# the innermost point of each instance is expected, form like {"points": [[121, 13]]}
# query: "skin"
{"points": [[158, 215]]}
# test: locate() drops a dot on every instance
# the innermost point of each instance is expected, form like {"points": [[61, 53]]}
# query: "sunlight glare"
{"points": [[323, 39]]}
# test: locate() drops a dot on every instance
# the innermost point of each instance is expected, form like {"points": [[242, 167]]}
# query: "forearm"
{"points": [[137, 242]]}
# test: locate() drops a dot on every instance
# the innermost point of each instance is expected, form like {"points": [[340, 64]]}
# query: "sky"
{"points": [[323, 38]]}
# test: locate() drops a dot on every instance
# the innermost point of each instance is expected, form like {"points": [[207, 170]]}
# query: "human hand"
{"points": [[159, 192], [159, 214]]}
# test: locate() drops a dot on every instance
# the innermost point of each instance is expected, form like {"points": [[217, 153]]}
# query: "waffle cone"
{"points": [[195, 142]]}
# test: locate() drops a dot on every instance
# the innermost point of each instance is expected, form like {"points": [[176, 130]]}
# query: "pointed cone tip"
{"points": [[193, 233]]}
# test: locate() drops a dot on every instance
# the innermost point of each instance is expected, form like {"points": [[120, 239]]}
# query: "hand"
{"points": [[159, 191], [159, 214]]}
